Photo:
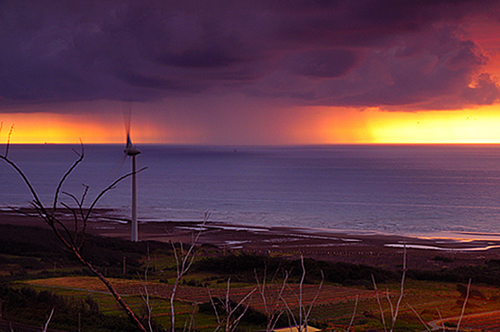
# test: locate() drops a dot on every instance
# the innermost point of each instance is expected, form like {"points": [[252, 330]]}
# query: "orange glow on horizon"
{"points": [[312, 125], [372, 126], [39, 128], [454, 127], [45, 127]]}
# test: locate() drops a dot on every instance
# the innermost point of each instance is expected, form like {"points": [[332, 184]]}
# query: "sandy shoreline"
{"points": [[383, 250]]}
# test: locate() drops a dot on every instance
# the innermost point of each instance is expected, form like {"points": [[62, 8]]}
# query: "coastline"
{"points": [[370, 248]]}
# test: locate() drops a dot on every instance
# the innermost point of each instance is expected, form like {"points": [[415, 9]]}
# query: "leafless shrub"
{"points": [[229, 322], [73, 238], [394, 309], [302, 321], [183, 260], [272, 303]]}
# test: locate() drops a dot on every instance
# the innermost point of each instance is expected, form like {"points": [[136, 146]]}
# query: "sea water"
{"points": [[396, 189]]}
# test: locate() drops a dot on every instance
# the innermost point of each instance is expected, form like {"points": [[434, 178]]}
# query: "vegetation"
{"points": [[298, 292], [24, 249], [241, 267], [488, 274], [22, 289], [32, 307], [289, 297]]}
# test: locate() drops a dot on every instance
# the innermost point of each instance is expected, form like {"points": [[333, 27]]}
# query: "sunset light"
{"points": [[55, 128], [465, 126], [317, 126], [429, 77], [289, 145]]}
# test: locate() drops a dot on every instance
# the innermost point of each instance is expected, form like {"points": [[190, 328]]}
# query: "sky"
{"points": [[253, 72]]}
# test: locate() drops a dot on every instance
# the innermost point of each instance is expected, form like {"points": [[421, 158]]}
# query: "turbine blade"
{"points": [[127, 119], [129, 142], [130, 149]]}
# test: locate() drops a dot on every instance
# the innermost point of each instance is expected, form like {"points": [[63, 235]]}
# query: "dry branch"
{"points": [[66, 237]]}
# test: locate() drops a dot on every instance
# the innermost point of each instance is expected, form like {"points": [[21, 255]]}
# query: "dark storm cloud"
{"points": [[323, 63], [344, 53]]}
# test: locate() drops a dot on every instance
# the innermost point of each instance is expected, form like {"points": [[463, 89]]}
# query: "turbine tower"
{"points": [[132, 151]]}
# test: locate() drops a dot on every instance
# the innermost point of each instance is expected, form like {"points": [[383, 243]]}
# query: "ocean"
{"points": [[421, 190]]}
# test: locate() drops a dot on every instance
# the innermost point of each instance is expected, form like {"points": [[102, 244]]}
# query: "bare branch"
{"points": [[230, 325], [290, 312], [303, 313], [272, 310], [85, 192], [306, 318], [401, 294], [81, 212], [48, 321], [353, 314], [394, 310], [219, 324], [145, 297], [441, 319], [7, 147], [237, 320], [419, 317], [391, 307], [111, 186], [183, 261], [65, 176], [75, 217], [51, 220], [379, 304], [33, 193], [463, 307]]}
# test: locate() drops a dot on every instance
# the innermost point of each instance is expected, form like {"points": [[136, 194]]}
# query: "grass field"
{"points": [[334, 305], [44, 268]]}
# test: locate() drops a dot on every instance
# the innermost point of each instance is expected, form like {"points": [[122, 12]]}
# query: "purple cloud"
{"points": [[406, 54]]}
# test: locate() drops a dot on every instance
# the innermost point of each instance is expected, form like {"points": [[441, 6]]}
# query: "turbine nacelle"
{"points": [[130, 149]]}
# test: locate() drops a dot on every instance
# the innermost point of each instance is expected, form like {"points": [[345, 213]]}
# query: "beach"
{"points": [[369, 248]]}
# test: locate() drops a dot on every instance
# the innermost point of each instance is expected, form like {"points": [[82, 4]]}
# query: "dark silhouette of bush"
{"points": [[28, 306], [251, 316], [242, 266], [39, 248], [484, 274]]}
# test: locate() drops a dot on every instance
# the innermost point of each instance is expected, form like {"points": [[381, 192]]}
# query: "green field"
{"points": [[36, 280]]}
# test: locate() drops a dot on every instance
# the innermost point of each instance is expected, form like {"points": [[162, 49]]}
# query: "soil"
{"points": [[380, 250]]}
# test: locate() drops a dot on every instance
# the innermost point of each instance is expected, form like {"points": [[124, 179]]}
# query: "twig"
{"points": [[183, 262], [419, 317], [441, 319], [52, 221], [401, 294], [463, 307], [271, 310], [48, 321], [230, 326], [219, 324], [379, 304], [353, 314], [7, 147], [111, 186], [303, 313], [65, 175], [145, 296]]}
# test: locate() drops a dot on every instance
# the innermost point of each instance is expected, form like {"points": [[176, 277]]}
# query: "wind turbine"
{"points": [[132, 151]]}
